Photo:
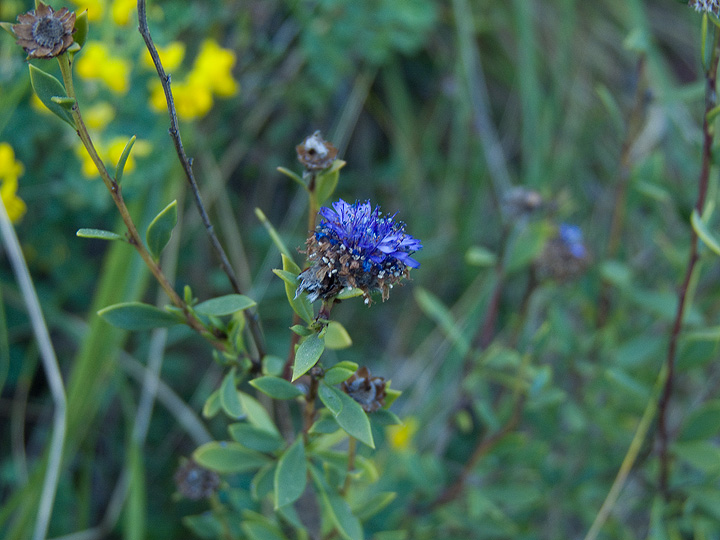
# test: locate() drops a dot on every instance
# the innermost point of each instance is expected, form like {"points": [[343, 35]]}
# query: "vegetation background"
{"points": [[439, 108]]}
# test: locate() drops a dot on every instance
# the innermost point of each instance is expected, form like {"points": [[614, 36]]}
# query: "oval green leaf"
{"points": [[353, 420], [255, 438], [229, 397], [347, 524], [336, 337], [81, 28], [307, 355], [329, 398], [327, 181], [336, 375], [98, 233], [225, 305], [120, 167], [291, 474], [229, 457], [160, 229], [277, 388], [137, 316], [47, 87], [256, 413]]}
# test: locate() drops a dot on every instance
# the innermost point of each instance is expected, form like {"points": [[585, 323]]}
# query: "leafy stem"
{"points": [[683, 296], [116, 194]]}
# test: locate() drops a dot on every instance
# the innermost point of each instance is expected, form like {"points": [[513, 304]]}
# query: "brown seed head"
{"points": [[315, 153], [44, 32], [368, 391], [195, 482]]}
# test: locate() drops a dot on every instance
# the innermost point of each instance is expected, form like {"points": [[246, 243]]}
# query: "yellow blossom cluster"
{"points": [[210, 76], [10, 170], [120, 10], [97, 63], [110, 153]]}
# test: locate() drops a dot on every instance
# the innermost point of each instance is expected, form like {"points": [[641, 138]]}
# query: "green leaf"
{"points": [[375, 504], [346, 523], [262, 482], [291, 474], [347, 293], [229, 457], [433, 307], [703, 455], [307, 355], [325, 423], [391, 395], [704, 233], [8, 28], [225, 305], [160, 229], [273, 365], [274, 236], [327, 181], [81, 28], [47, 87], [120, 167], [229, 397], [293, 176], [702, 423], [348, 413], [256, 413], [277, 388], [386, 418], [66, 103], [255, 438], [98, 233], [336, 375], [300, 304], [480, 256], [212, 405], [262, 530], [336, 337], [137, 316], [329, 398], [526, 246]]}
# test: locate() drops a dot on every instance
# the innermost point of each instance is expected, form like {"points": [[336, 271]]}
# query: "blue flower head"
{"points": [[354, 245], [572, 236]]}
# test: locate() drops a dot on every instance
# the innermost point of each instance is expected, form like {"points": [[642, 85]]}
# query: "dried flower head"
{"points": [[565, 256], [195, 482], [707, 6], [368, 391], [44, 32], [355, 246], [520, 202], [315, 153]]}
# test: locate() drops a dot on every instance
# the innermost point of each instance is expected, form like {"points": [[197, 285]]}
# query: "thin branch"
{"points": [[186, 163], [708, 136], [52, 371]]}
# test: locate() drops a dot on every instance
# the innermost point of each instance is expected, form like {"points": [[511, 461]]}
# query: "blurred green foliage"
{"points": [[437, 107]]}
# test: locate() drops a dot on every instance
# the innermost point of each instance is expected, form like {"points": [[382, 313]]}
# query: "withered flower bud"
{"points": [[44, 32], [520, 202], [315, 153], [195, 482], [368, 391], [565, 257]]}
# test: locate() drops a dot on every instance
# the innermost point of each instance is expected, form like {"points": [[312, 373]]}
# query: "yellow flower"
{"points": [[95, 8], [14, 205], [10, 170], [9, 167], [400, 437], [191, 101], [121, 11], [213, 69], [170, 56], [97, 63], [98, 116]]}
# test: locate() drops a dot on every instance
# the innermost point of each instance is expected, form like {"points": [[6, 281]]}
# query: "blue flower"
{"points": [[354, 245], [572, 236]]}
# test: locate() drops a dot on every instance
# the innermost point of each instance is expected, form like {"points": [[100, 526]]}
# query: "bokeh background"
{"points": [[440, 109]]}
